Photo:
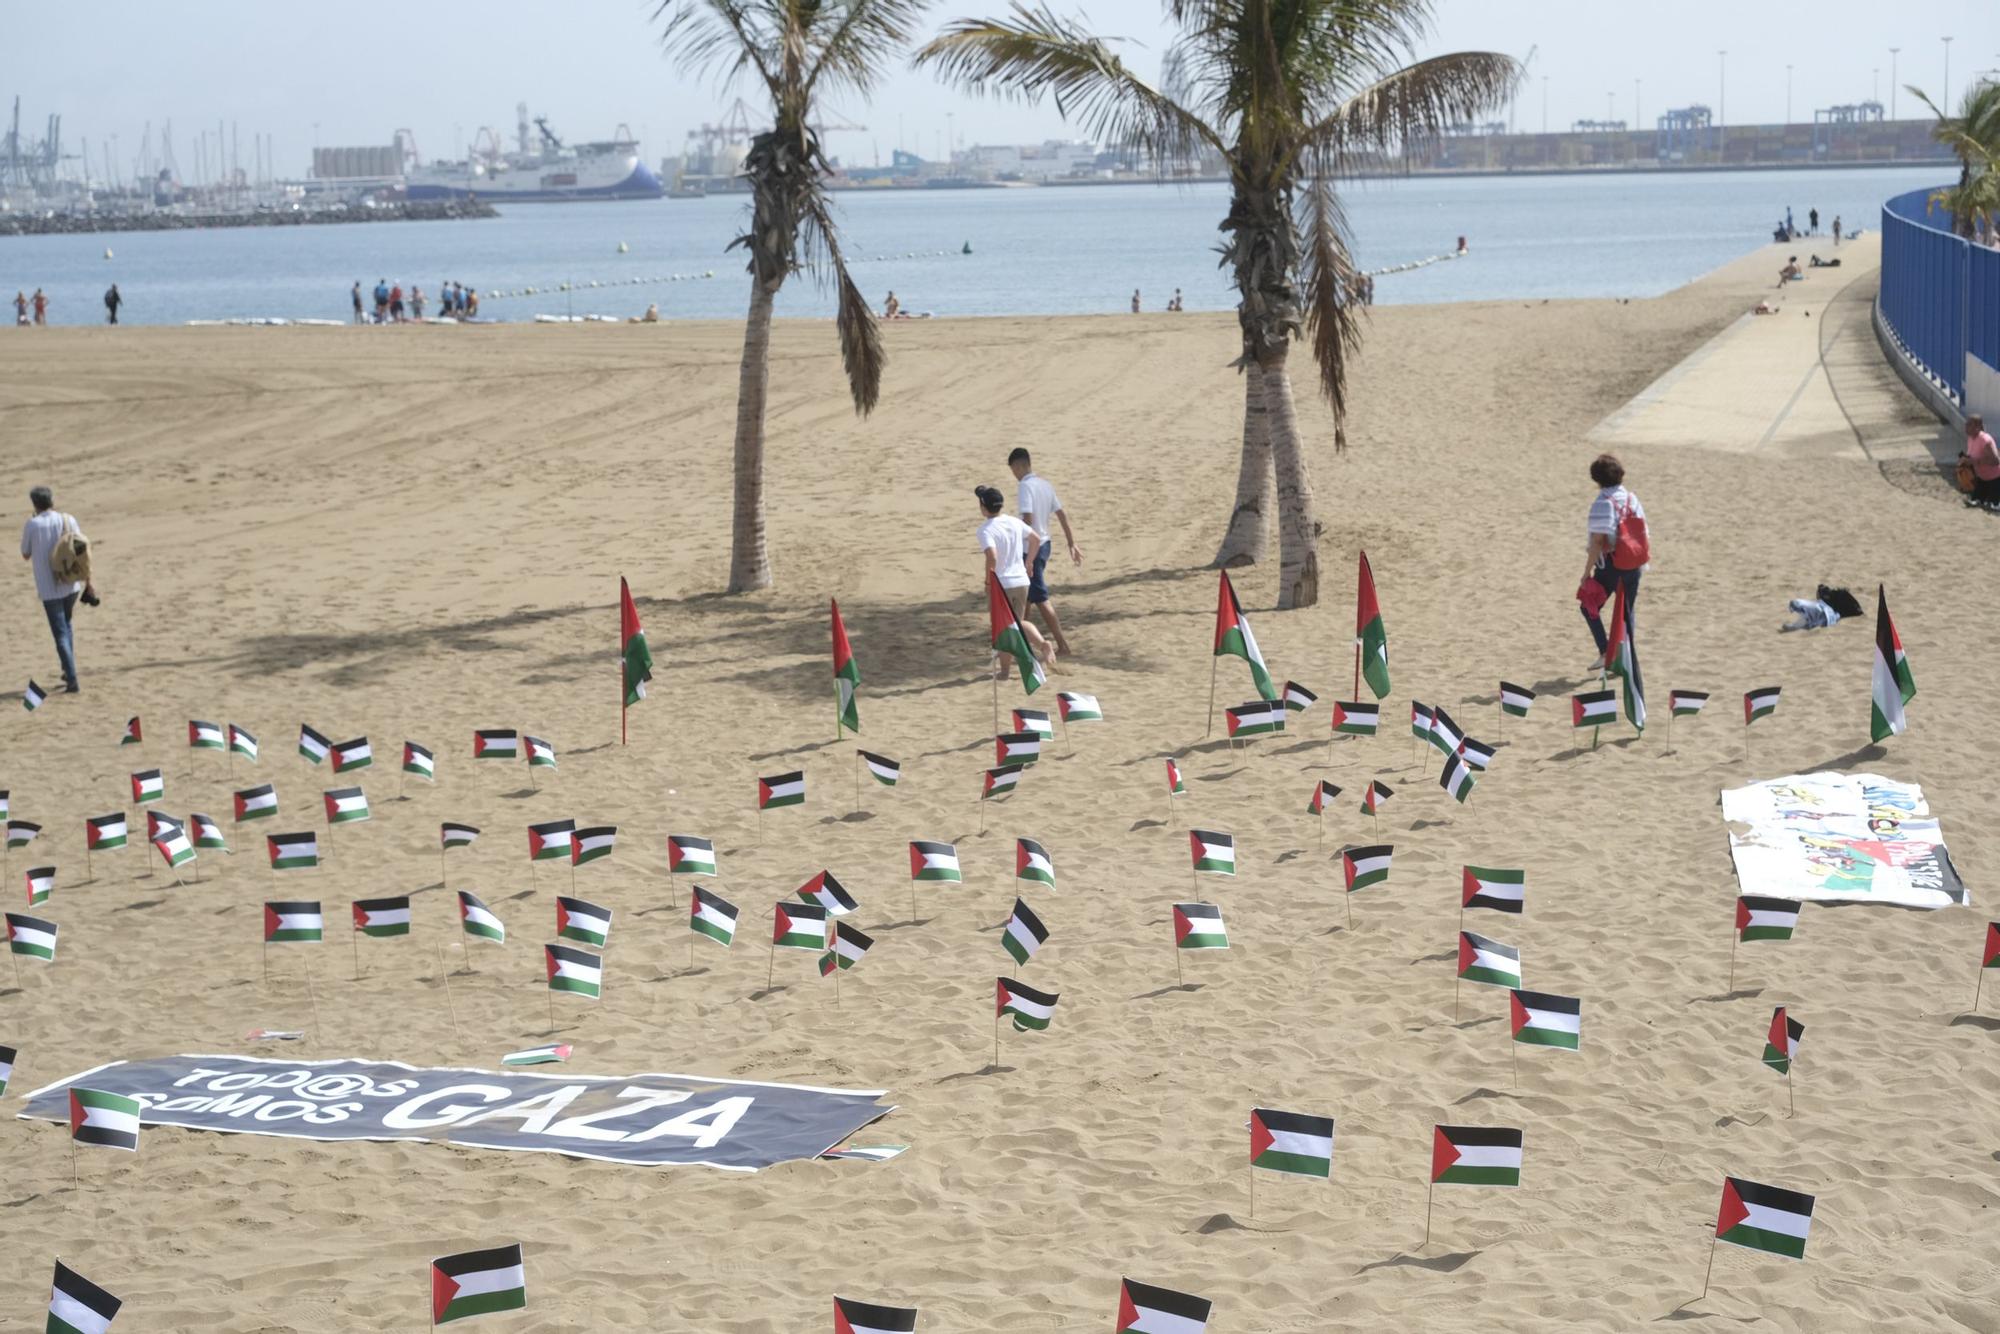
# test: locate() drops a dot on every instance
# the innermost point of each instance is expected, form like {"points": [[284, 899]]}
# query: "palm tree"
{"points": [[1974, 137], [800, 51], [1289, 93]]}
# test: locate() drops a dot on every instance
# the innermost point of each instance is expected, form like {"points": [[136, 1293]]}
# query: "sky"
{"points": [[355, 72]]}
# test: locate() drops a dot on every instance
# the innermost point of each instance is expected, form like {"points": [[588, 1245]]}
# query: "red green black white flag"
{"points": [[1764, 1218], [1233, 637], [846, 673]]}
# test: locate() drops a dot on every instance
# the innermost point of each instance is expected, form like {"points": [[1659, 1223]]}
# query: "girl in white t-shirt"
{"points": [[1009, 548]]}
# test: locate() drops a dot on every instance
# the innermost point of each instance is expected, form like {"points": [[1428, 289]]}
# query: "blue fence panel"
{"points": [[1938, 294]]}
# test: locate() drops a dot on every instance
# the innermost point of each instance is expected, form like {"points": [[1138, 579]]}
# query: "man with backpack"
{"points": [[60, 554], [1619, 549]]}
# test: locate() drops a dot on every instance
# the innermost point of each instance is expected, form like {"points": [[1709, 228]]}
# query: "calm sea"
{"points": [[1065, 251]]}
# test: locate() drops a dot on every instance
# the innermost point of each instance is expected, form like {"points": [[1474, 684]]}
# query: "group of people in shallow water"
{"points": [[455, 301], [40, 304]]}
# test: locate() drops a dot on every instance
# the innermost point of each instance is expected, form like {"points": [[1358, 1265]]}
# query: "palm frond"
{"points": [[723, 35], [1039, 53], [1332, 317], [1412, 105], [861, 352], [854, 51]]}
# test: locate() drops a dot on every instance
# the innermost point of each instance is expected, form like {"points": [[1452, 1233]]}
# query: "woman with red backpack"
{"points": [[1619, 549]]}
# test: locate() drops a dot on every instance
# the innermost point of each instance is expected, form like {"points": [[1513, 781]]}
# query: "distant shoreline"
{"points": [[86, 224]]}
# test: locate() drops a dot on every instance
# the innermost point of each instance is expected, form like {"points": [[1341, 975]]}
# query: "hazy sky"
{"points": [[355, 71]]}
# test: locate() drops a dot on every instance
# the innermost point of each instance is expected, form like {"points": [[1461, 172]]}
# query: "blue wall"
{"points": [[1940, 295]]}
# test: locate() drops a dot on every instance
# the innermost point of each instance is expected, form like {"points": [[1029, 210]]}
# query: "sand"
{"points": [[412, 533]]}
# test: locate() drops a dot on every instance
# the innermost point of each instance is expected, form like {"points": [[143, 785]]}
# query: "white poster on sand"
{"points": [[1832, 837]]}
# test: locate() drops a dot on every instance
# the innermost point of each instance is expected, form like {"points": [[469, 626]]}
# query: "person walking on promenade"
{"points": [[1037, 500], [111, 303], [1619, 545], [57, 563]]}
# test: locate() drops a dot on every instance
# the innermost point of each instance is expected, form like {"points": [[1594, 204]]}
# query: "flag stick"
{"points": [[771, 966], [572, 863], [1514, 1051], [15, 959], [624, 591], [552, 1011], [88, 874], [1734, 936], [1322, 828], [444, 973], [1706, 1273], [313, 997], [1063, 718], [1980, 982], [996, 1043], [1253, 1176], [1791, 1101], [401, 778], [996, 703], [1430, 1194], [1454, 999], [760, 824], [913, 899], [690, 940], [1179, 981], [1376, 814], [1350, 909], [837, 733], [982, 807], [356, 936], [267, 962], [857, 783], [836, 981], [444, 872], [465, 949], [74, 1184], [1357, 677], [1211, 698]]}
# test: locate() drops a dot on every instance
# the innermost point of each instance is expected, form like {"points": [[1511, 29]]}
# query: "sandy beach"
{"points": [[416, 532]]}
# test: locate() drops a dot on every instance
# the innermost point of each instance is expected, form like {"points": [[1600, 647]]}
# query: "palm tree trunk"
{"points": [[749, 562], [1298, 526], [1249, 534]]}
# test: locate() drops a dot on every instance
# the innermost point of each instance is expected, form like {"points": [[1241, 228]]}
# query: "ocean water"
{"points": [[1061, 251]]}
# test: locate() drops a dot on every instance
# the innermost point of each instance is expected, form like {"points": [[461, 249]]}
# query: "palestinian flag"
{"points": [[479, 1282], [1291, 1142], [1017, 747], [299, 921], [1256, 718], [1233, 636], [1444, 732], [104, 831], [1212, 852], [106, 1120], [846, 673], [1491, 887], [852, 1317], [1374, 796], [1031, 862], [353, 754], [1781, 1043], [1515, 699], [574, 970], [632, 646], [1593, 708], [550, 842], [41, 884], [799, 926], [552, 1054], [1297, 698], [174, 848], [1025, 933], [1456, 778], [829, 894], [476, 919], [159, 823], [242, 743], [1760, 918], [257, 803], [587, 845], [580, 919], [133, 733], [1542, 1020], [1144, 1309], [205, 736], [419, 761], [1323, 792], [881, 768], [345, 805], [1992, 956], [1764, 1218], [207, 833], [1420, 721], [1002, 779], [1176, 786], [541, 755], [383, 917], [31, 936], [1009, 638], [713, 916], [781, 790], [7, 1055], [496, 743], [1894, 686], [1686, 703], [32, 697], [1476, 754], [849, 944], [1078, 708], [78, 1306], [1198, 926], [688, 855], [1033, 720], [1759, 702], [456, 835], [312, 746], [1355, 718], [1622, 658], [148, 785], [1488, 961], [1475, 1156], [1030, 1008], [1365, 866], [20, 833], [4, 808], [1369, 634], [933, 861], [292, 851]]}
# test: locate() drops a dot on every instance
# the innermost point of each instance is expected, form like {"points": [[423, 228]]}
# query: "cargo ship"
{"points": [[543, 169]]}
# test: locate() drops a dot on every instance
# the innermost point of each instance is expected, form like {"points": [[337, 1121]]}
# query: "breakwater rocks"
{"points": [[74, 224]]}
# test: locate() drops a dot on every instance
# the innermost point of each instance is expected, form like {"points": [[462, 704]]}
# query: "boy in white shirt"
{"points": [[1009, 547], [1037, 500]]}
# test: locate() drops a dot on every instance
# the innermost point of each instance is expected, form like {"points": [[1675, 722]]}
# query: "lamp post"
{"points": [[1945, 104], [1721, 102]]}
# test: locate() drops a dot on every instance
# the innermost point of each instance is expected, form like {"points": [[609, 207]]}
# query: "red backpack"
{"points": [[1633, 549]]}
